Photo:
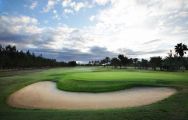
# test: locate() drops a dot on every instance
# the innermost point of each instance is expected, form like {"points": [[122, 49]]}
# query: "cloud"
{"points": [[152, 41], [63, 43], [66, 3], [20, 24], [92, 18], [33, 5], [68, 6], [56, 15], [79, 5], [68, 54], [26, 30], [102, 2], [68, 11], [130, 23], [71, 6], [101, 52], [137, 28], [50, 5], [143, 54], [22, 31]]}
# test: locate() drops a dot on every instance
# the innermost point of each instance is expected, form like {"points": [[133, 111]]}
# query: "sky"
{"points": [[84, 30]]}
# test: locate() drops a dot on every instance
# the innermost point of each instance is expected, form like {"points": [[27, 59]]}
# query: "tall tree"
{"points": [[135, 62], [105, 61], [115, 62], [144, 64], [155, 62], [1, 48], [180, 49], [123, 60], [72, 63]]}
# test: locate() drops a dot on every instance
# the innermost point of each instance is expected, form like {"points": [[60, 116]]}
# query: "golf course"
{"points": [[97, 93], [93, 59]]}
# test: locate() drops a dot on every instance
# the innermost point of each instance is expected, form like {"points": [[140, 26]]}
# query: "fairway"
{"points": [[95, 80]]}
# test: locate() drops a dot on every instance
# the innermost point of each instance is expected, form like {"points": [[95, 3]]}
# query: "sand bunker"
{"points": [[45, 95]]}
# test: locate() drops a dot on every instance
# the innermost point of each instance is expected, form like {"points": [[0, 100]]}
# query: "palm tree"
{"points": [[180, 49]]}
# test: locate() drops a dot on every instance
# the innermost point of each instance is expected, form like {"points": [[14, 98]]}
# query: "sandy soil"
{"points": [[45, 95]]}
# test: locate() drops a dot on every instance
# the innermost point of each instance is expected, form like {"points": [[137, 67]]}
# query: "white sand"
{"points": [[45, 95]]}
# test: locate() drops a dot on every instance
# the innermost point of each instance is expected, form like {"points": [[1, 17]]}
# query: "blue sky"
{"points": [[85, 30]]}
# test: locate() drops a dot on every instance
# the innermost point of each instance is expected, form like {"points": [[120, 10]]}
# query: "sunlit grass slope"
{"points": [[103, 81]]}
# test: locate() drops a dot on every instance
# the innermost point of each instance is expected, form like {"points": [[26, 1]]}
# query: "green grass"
{"points": [[97, 80], [127, 76], [105, 81], [94, 86]]}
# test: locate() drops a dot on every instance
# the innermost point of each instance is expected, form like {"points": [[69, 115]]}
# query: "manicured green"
{"points": [[97, 79], [127, 76], [104, 81]]}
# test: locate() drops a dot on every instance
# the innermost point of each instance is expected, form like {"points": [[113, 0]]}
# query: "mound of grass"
{"points": [[98, 86], [105, 81], [127, 76], [105, 86]]}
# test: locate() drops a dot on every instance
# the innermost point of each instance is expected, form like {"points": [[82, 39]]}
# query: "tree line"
{"points": [[172, 62], [11, 58]]}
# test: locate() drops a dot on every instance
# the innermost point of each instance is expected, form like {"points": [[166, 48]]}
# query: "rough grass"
{"points": [[173, 108]]}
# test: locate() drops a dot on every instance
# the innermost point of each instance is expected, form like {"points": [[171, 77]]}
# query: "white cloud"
{"points": [[78, 6], [66, 3], [130, 23], [21, 24], [71, 6], [21, 31], [50, 5], [25, 31], [56, 15], [34, 5], [92, 18], [123, 26], [54, 11], [102, 2], [68, 11], [59, 36]]}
